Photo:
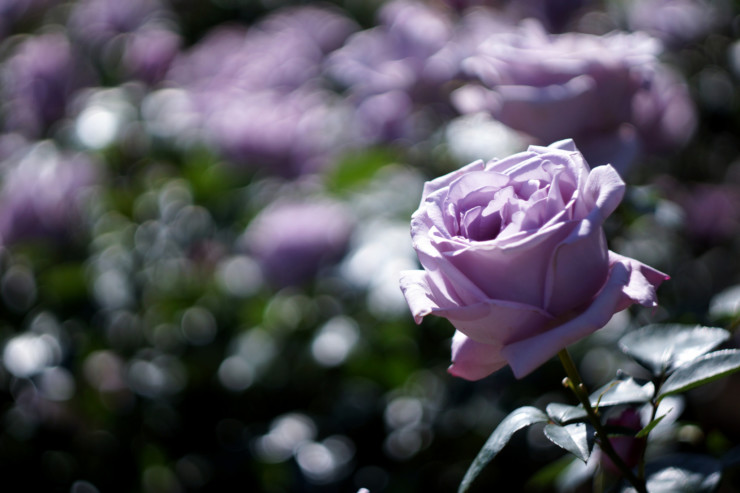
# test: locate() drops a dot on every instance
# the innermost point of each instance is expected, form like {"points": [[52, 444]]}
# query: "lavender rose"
{"points": [[547, 86], [294, 240], [515, 256]]}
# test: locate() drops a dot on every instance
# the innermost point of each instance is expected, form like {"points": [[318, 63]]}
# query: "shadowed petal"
{"points": [[496, 321], [473, 360], [415, 288], [629, 282]]}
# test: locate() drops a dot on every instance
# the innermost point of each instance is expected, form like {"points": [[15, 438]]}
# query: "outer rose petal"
{"points": [[418, 295], [496, 321], [523, 265], [578, 269], [489, 322], [627, 278], [644, 280], [473, 360]]}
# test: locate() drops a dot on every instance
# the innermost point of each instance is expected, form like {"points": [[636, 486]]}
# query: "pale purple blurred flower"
{"points": [[257, 93], [675, 22], [711, 211], [42, 192], [15, 12], [282, 52], [294, 240], [664, 114], [39, 79], [135, 38], [149, 53], [409, 52], [99, 21], [555, 15], [325, 28], [608, 93], [288, 134]]}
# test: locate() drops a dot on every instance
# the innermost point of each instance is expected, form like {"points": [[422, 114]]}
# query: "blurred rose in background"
{"points": [[204, 210]]}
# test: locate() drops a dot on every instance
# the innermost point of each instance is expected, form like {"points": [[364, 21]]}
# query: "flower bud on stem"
{"points": [[574, 382]]}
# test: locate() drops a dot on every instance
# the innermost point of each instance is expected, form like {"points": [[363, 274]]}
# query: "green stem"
{"points": [[644, 448], [654, 403], [576, 385]]}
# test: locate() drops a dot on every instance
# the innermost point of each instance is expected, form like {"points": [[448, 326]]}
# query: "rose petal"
{"points": [[644, 280], [445, 180], [534, 109], [604, 191], [473, 360], [416, 290], [525, 355], [578, 269], [448, 285], [563, 145], [514, 273], [629, 282], [496, 321]]}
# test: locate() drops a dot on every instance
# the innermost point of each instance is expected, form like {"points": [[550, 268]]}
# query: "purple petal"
{"points": [[578, 269], [495, 321], [415, 288], [643, 282], [473, 360], [525, 355], [523, 265], [629, 282], [604, 191]]}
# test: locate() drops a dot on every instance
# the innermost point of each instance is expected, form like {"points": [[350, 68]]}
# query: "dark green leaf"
{"points": [[684, 473], [564, 413], [706, 369], [354, 169], [518, 419], [623, 390], [644, 432], [551, 473], [663, 348], [577, 438]]}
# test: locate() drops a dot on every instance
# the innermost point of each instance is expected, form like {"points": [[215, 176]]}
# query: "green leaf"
{"points": [[649, 427], [708, 368], [622, 390], [577, 438], [543, 479], [518, 419], [356, 168], [682, 473], [663, 348], [564, 413]]}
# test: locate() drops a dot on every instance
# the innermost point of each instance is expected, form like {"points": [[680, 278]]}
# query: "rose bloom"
{"points": [[42, 194], [515, 257], [610, 93], [294, 240], [38, 80]]}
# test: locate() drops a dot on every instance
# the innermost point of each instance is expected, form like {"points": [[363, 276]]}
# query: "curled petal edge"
{"points": [[629, 282], [487, 322]]}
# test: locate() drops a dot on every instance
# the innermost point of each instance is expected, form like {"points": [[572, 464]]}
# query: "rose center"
{"points": [[511, 209]]}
